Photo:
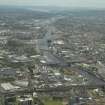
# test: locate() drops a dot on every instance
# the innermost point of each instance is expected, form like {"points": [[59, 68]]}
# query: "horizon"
{"points": [[53, 3], [49, 7]]}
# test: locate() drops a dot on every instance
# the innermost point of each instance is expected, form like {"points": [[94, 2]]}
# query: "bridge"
{"points": [[53, 89]]}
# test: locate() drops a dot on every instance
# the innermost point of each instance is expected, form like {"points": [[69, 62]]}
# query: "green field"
{"points": [[49, 101]]}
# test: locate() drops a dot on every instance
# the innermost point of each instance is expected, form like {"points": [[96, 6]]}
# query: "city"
{"points": [[52, 56]]}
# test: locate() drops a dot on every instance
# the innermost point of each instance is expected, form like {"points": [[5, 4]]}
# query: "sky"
{"points": [[63, 3]]}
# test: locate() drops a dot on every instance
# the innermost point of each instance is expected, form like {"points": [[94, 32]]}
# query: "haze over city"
{"points": [[62, 3]]}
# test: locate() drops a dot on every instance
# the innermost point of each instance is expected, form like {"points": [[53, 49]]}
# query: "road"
{"points": [[101, 69], [42, 46]]}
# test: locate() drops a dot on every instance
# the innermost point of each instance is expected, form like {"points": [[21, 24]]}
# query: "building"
{"points": [[9, 99], [25, 100], [7, 73], [9, 87]]}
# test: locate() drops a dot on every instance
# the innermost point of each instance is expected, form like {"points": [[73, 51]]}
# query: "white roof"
{"points": [[21, 83], [25, 99], [67, 79], [60, 42], [35, 56], [9, 86], [42, 61], [57, 74]]}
